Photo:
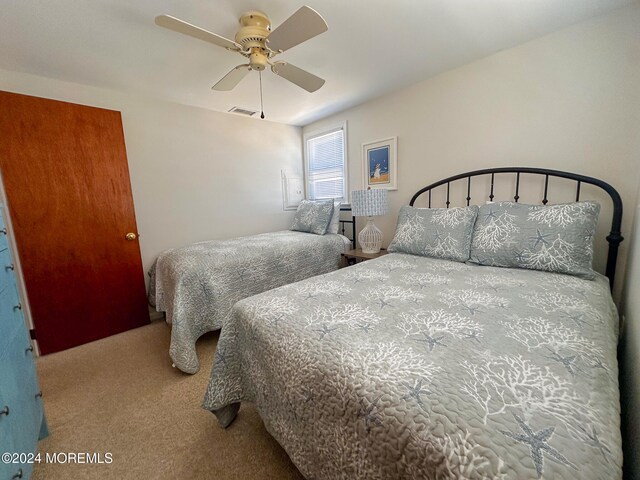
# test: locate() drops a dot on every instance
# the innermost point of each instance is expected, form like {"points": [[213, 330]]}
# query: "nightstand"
{"points": [[355, 256]]}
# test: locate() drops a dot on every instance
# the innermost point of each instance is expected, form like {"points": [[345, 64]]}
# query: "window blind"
{"points": [[326, 172]]}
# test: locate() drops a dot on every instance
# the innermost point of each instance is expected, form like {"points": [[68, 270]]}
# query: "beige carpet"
{"points": [[120, 395]]}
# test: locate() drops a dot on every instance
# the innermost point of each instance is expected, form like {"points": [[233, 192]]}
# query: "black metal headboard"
{"points": [[352, 222], [614, 238]]}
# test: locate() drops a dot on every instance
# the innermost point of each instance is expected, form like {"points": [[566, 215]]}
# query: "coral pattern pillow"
{"points": [[435, 232], [313, 216], [553, 238]]}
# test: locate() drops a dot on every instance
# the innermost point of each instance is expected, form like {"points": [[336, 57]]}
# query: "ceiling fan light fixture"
{"points": [[255, 41], [254, 29], [258, 60]]}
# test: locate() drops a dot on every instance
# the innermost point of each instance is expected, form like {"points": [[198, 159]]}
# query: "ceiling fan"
{"points": [[260, 45]]}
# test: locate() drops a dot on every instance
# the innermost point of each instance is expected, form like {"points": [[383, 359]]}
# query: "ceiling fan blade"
{"points": [[177, 25], [296, 75], [304, 24], [231, 79]]}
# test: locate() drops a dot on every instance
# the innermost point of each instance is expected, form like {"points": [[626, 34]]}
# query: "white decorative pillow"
{"points": [[313, 216], [334, 224]]}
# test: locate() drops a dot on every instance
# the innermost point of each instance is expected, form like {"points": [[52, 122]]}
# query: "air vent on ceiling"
{"points": [[243, 111]]}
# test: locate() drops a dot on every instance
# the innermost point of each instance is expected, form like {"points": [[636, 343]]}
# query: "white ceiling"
{"points": [[372, 46]]}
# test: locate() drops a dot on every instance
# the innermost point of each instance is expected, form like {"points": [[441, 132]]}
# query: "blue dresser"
{"points": [[22, 420]]}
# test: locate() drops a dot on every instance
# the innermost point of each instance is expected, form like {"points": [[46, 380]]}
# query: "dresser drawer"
{"points": [[10, 313], [6, 437], [9, 300], [4, 242], [7, 272], [20, 394], [30, 395], [11, 317], [9, 470]]}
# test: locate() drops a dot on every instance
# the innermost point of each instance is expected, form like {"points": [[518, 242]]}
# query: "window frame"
{"points": [[345, 171]]}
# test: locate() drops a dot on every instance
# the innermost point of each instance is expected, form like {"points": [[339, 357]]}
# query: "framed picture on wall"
{"points": [[380, 164]]}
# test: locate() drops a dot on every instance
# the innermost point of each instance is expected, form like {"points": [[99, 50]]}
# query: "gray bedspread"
{"points": [[197, 285], [410, 367]]}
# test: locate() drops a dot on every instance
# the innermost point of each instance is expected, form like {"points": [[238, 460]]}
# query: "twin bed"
{"points": [[413, 367], [196, 286]]}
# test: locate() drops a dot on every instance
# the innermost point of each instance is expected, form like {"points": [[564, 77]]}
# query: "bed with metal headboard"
{"points": [[352, 228], [614, 238], [409, 366]]}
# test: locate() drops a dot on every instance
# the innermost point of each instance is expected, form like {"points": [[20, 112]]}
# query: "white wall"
{"points": [[630, 354], [195, 174], [570, 101]]}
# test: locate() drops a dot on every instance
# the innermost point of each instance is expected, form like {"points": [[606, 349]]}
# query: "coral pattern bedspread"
{"points": [[197, 285], [411, 367]]}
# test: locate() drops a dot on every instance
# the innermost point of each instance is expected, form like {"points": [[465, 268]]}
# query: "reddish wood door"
{"points": [[65, 173]]}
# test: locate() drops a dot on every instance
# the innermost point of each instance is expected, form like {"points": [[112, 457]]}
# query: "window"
{"points": [[325, 164]]}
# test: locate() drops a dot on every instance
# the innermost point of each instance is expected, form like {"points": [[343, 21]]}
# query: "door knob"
{"points": [[131, 236]]}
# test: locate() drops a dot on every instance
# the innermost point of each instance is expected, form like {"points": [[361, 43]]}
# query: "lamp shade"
{"points": [[369, 203]]}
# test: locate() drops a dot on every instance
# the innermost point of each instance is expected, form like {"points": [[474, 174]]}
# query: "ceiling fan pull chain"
{"points": [[261, 106]]}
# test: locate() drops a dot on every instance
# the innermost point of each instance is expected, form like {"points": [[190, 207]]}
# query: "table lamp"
{"points": [[369, 203]]}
